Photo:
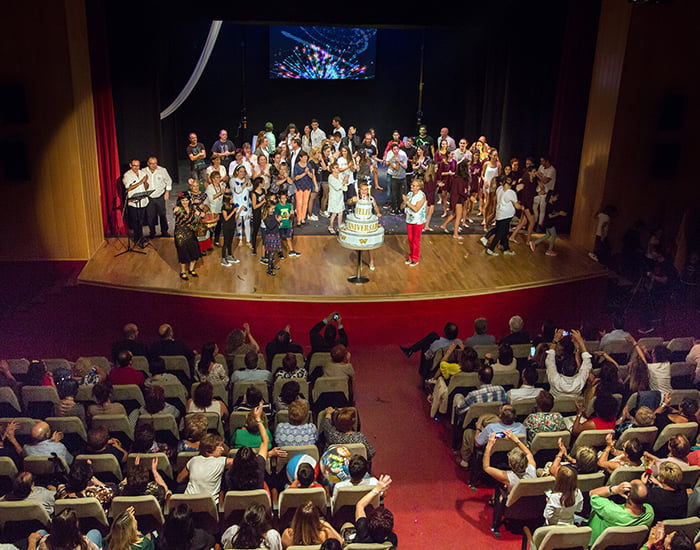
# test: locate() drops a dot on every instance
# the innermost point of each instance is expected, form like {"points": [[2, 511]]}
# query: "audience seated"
{"points": [[606, 513], [236, 343], [138, 481], [687, 411], [527, 389], [618, 334], [67, 406], [167, 345], [203, 402], [565, 499], [486, 425], [195, 428], [543, 419], [678, 449], [65, 535], [204, 472], [298, 431], [340, 429], [180, 533], [252, 372], [102, 393], [566, 378], [290, 368], [585, 461], [124, 373], [208, 370], [145, 441], [377, 525], [339, 365], [282, 343], [358, 468], [23, 487], [86, 373], [517, 334], [250, 435], [157, 368], [291, 391], [480, 338], [99, 443], [630, 455], [7, 379], [430, 344], [604, 415], [254, 531], [44, 443], [38, 375], [129, 342], [666, 495], [251, 399], [248, 469], [154, 403], [505, 360], [82, 483], [9, 446], [486, 393], [643, 418], [124, 533], [308, 528]]}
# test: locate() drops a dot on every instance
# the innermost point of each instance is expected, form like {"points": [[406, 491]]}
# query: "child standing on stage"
{"points": [[228, 227], [365, 196], [337, 184], [258, 201], [285, 211], [550, 222], [271, 240]]}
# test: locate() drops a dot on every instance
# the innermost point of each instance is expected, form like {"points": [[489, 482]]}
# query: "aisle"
{"points": [[432, 504]]}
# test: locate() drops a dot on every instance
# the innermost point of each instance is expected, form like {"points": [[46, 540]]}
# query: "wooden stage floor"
{"points": [[320, 274]]}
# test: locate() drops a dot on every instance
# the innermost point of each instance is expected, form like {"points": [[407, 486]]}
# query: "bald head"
{"points": [[41, 431], [131, 331], [165, 331], [638, 492]]}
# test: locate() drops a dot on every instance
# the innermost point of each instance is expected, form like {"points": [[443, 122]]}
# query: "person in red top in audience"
{"points": [[124, 373], [604, 418]]}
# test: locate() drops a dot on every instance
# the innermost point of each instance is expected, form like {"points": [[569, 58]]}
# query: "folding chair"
{"points": [[621, 538], [646, 436], [592, 345], [183, 458], [214, 422], [44, 468], [682, 375], [20, 518], [591, 438], [165, 427], [74, 434], [105, 467], [688, 429], [523, 407], [475, 411], [85, 395], [239, 361], [129, 395], [650, 343], [100, 361], [237, 419], [521, 351], [9, 404], [565, 406], [499, 459], [330, 384], [688, 526], [462, 382], [343, 505], [23, 433], [545, 445], [278, 357], [204, 510], [89, 512], [146, 509], [291, 499], [524, 507], [52, 365], [163, 467], [679, 348], [39, 401], [619, 350], [277, 387], [239, 389], [690, 476], [18, 366], [560, 537], [8, 471], [322, 414], [483, 350], [236, 502], [175, 394], [117, 424], [625, 473], [318, 359], [218, 358], [677, 395], [140, 362], [506, 379], [220, 391]]}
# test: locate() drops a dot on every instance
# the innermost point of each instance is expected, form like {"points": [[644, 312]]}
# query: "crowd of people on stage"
{"points": [[203, 462], [311, 173], [616, 384]]}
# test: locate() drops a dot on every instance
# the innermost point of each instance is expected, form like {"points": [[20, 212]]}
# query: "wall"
{"points": [[54, 213]]}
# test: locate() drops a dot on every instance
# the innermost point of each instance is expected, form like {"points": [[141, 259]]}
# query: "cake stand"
{"points": [[358, 278]]}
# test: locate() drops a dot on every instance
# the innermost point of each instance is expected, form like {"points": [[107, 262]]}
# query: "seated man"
{"points": [[129, 342], [472, 436], [480, 338], [517, 334], [606, 513], [282, 343], [167, 345], [566, 378], [44, 444], [359, 475], [331, 336], [124, 373], [527, 389], [23, 487], [377, 526], [99, 443], [251, 372], [430, 344], [618, 334], [544, 420]]}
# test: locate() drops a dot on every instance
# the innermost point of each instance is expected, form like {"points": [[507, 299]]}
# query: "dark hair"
{"points": [[283, 338], [609, 378], [97, 438], [679, 446], [154, 399], [662, 354], [21, 486], [345, 419], [480, 325], [634, 449], [688, 407], [618, 321], [289, 362], [338, 353], [505, 354], [305, 474], [605, 406], [548, 328], [565, 357], [137, 478], [530, 375], [156, 365], [144, 437], [469, 360], [124, 358], [209, 443], [243, 474], [203, 395], [206, 358], [255, 523], [330, 333], [35, 373], [380, 523], [102, 392], [450, 331], [79, 476], [545, 401], [357, 467], [486, 374], [251, 360], [179, 527], [681, 541], [253, 396], [67, 388], [331, 544], [290, 391], [65, 532]]}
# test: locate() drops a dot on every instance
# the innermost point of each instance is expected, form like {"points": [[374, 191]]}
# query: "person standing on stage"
{"points": [[186, 221], [271, 139], [136, 181], [424, 140], [506, 204], [215, 198], [223, 148], [317, 135], [197, 154], [160, 181], [397, 161], [415, 206], [337, 127]]}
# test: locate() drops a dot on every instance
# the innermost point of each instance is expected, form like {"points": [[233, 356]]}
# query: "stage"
{"points": [[320, 274]]}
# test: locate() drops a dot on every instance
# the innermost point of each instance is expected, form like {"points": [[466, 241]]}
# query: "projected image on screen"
{"points": [[328, 53]]}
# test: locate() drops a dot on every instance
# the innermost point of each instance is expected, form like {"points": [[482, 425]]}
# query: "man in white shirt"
{"points": [[547, 175], [567, 384], [506, 203], [136, 181], [317, 135], [527, 390], [160, 181], [445, 136], [337, 127]]}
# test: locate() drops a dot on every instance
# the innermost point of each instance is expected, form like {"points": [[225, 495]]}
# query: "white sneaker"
{"points": [[491, 252], [483, 241], [312, 218], [509, 253], [235, 261], [224, 262], [325, 214], [593, 256]]}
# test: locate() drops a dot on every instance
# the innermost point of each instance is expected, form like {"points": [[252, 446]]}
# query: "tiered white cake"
{"points": [[361, 229]]}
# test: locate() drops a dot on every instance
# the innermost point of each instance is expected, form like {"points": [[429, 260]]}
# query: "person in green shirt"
{"points": [[249, 435], [606, 513], [285, 211]]}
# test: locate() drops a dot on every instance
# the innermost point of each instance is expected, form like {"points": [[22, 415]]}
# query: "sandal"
{"points": [[331, 230], [184, 277]]}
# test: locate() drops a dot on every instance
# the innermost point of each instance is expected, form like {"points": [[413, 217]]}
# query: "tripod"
{"points": [[130, 244]]}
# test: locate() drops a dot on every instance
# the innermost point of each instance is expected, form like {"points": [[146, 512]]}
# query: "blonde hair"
{"points": [[124, 532], [306, 525], [517, 460], [644, 417], [670, 474]]}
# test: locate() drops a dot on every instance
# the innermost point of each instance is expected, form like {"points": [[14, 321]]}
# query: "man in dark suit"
{"points": [[168, 345]]}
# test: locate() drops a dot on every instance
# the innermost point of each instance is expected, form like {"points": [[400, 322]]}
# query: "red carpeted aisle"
{"points": [[431, 501]]}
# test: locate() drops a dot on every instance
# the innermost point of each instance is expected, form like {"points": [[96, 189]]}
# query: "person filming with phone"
{"points": [[568, 364], [333, 334]]}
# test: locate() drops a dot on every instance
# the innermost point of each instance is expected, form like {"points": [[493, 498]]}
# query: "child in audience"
{"points": [[565, 499], [306, 478], [359, 474]]}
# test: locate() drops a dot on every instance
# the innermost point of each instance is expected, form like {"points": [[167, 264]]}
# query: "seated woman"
{"points": [[208, 370], [666, 495], [205, 471], [81, 483], [665, 414], [65, 535], [643, 418], [154, 403], [157, 368], [138, 482], [102, 393], [291, 391], [125, 535], [86, 373], [67, 406], [308, 528], [341, 430], [179, 532], [251, 399], [585, 460], [298, 431], [543, 419], [630, 454], [250, 435], [195, 428], [203, 402], [565, 499], [145, 441], [38, 375], [236, 343], [608, 380], [506, 361], [290, 368], [339, 365], [604, 415], [678, 450], [255, 531]]}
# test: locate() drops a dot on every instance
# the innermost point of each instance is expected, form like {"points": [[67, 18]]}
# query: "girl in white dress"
{"points": [[241, 186], [337, 185]]}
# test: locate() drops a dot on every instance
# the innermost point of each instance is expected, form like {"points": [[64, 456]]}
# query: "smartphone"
{"points": [[336, 317], [566, 333], [532, 351], [500, 435]]}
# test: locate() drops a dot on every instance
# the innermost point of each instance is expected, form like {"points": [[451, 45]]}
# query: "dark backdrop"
{"points": [[493, 73]]}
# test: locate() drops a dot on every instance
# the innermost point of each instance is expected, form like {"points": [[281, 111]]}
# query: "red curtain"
{"points": [[105, 127]]}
